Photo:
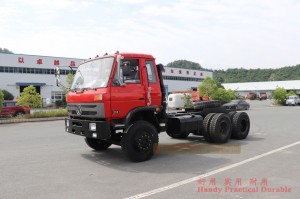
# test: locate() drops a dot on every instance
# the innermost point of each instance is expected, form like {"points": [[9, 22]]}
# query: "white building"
{"points": [[178, 79], [18, 71], [263, 87]]}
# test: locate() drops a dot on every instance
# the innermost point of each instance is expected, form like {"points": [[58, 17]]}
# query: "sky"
{"points": [[218, 34]]}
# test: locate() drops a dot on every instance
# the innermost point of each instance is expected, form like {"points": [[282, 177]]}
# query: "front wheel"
{"points": [[19, 114], [140, 141], [98, 145]]}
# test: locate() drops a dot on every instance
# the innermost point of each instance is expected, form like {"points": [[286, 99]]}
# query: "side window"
{"points": [[10, 104], [134, 71], [151, 72]]}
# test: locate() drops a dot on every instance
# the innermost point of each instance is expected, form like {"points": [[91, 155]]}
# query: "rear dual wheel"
{"points": [[217, 127], [220, 128], [206, 124], [240, 125]]}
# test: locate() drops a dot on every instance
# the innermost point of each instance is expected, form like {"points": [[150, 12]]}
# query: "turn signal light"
{"points": [[97, 97]]}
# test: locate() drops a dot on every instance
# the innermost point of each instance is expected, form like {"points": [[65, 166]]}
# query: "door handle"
{"points": [[142, 99]]}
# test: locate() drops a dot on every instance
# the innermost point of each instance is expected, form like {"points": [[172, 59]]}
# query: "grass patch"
{"points": [[50, 113]]}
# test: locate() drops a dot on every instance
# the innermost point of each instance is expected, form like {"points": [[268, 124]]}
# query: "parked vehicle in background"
{"points": [[251, 96], [175, 101], [10, 108], [237, 105], [293, 100], [263, 96]]}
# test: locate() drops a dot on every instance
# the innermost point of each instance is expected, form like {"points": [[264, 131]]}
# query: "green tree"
{"points": [[222, 95], [279, 95], [232, 94], [30, 97], [215, 91], [5, 50], [208, 87], [70, 78], [185, 64], [290, 93], [188, 101], [1, 99], [233, 75], [7, 95]]}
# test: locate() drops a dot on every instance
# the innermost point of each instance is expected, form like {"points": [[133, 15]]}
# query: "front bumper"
{"points": [[290, 103], [99, 130]]}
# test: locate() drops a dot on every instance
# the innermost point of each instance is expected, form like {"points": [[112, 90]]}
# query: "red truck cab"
{"points": [[99, 81], [10, 108]]}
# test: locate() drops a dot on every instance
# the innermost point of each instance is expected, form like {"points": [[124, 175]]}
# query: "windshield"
{"points": [[93, 74]]}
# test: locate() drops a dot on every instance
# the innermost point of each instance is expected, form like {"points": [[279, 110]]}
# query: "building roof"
{"points": [[263, 86]]}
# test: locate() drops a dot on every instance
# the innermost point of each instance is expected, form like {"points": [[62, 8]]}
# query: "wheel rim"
{"points": [[244, 125], [143, 141], [223, 128]]}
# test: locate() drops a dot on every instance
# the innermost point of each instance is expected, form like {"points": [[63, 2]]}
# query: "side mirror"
{"points": [[57, 77]]}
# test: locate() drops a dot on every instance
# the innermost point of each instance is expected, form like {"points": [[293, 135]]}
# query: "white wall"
{"points": [[8, 82]]}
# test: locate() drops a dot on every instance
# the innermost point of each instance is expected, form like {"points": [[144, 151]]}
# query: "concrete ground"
{"points": [[40, 160]]}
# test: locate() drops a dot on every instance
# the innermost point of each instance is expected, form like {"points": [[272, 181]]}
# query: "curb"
{"points": [[11, 121]]}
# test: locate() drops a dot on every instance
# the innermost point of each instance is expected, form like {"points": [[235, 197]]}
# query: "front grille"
{"points": [[90, 110], [84, 113]]}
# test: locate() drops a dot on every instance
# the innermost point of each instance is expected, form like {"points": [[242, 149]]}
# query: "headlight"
{"points": [[92, 126], [67, 123]]}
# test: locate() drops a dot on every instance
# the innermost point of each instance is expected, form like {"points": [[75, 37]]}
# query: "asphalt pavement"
{"points": [[40, 160]]}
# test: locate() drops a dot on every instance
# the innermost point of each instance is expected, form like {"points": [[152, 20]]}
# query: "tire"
{"points": [[207, 104], [220, 128], [98, 145], [206, 123], [240, 125], [140, 141], [19, 114], [231, 114]]}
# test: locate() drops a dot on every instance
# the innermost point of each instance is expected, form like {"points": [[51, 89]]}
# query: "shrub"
{"points": [[58, 103], [291, 93], [222, 95], [188, 101], [208, 87], [30, 97], [52, 113], [279, 95], [1, 99]]}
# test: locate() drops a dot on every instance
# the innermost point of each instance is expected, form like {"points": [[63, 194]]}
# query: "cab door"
{"points": [[125, 98], [153, 84]]}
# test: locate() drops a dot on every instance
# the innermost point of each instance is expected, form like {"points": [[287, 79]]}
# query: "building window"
{"points": [[57, 95], [9, 69], [183, 78]]}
